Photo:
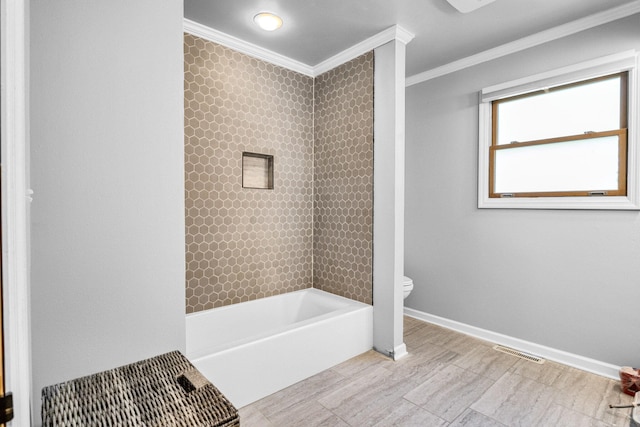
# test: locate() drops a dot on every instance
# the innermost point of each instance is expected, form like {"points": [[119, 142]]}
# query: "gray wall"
{"points": [[107, 172], [565, 279]]}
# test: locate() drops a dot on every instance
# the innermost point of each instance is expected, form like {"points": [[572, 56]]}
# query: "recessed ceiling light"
{"points": [[268, 21]]}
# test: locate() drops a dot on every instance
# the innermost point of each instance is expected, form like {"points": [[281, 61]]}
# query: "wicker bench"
{"points": [[162, 391]]}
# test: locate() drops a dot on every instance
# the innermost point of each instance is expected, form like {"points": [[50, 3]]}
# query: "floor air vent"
{"points": [[519, 354]]}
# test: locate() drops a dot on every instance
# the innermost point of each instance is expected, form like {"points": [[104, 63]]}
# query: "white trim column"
{"points": [[388, 203], [15, 204]]}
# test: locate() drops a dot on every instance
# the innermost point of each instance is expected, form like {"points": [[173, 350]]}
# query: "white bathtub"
{"points": [[253, 349]]}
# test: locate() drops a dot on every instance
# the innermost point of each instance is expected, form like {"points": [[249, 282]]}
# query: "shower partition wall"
{"points": [[343, 180]]}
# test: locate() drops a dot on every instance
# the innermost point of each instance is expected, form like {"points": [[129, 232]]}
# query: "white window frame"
{"points": [[625, 61]]}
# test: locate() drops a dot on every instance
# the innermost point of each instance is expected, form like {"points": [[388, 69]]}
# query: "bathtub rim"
{"points": [[348, 306]]}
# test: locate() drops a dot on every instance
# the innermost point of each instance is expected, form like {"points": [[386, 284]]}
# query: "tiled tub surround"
{"points": [[343, 185], [244, 244]]}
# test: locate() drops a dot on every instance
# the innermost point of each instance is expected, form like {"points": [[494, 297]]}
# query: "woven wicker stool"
{"points": [[162, 391]]}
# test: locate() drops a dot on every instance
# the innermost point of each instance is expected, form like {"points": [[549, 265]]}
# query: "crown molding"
{"points": [[529, 41], [247, 48], [392, 33], [403, 35]]}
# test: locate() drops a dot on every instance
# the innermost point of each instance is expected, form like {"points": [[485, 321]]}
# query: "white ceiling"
{"points": [[315, 30]]}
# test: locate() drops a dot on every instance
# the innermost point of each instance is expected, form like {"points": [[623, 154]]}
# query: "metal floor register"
{"points": [[162, 391]]}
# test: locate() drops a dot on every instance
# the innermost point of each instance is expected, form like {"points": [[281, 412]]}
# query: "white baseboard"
{"points": [[586, 364], [400, 351]]}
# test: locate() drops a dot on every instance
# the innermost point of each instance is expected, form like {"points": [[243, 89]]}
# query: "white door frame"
{"points": [[15, 202]]}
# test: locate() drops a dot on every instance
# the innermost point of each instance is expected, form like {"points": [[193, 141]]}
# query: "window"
{"points": [[569, 140], [561, 141]]}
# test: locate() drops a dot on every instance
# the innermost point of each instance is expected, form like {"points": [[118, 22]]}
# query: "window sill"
{"points": [[586, 203]]}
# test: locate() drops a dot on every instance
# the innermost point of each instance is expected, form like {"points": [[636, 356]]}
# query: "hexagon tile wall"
{"points": [[343, 207], [242, 243]]}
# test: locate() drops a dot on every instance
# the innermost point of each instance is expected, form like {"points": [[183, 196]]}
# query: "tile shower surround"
{"points": [[244, 244], [343, 183]]}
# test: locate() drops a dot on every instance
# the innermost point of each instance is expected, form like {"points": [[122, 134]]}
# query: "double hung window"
{"points": [[559, 145], [569, 140]]}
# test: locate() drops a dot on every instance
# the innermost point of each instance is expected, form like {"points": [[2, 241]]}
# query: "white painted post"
{"points": [[388, 205]]}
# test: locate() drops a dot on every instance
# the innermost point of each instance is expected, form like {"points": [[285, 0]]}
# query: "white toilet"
{"points": [[407, 285]]}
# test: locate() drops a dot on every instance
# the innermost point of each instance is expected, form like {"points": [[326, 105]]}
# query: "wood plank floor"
{"points": [[448, 379]]}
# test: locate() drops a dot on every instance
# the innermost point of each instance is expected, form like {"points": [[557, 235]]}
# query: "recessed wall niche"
{"points": [[257, 171]]}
